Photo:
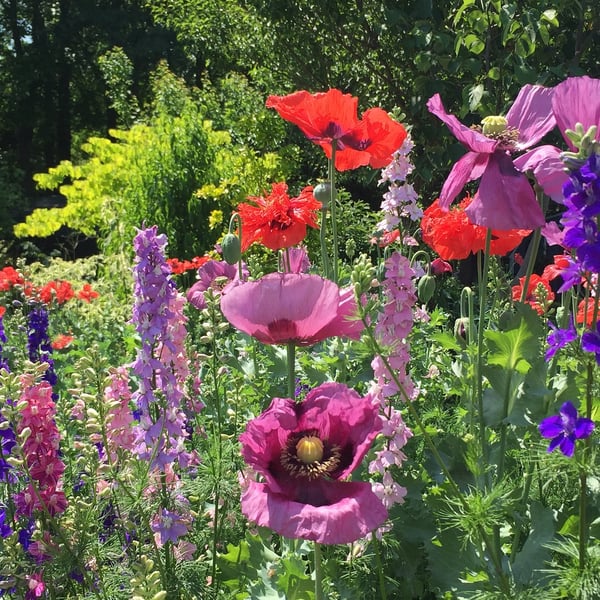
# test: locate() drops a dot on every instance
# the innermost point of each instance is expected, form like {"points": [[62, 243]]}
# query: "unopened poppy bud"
{"points": [[232, 248], [426, 288], [493, 125], [461, 329], [322, 192]]}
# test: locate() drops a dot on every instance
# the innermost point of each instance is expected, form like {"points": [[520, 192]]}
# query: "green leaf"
{"points": [[534, 554], [475, 95], [474, 44]]}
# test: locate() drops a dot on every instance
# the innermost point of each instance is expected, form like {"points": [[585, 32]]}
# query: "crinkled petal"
{"points": [[345, 419], [576, 100], [467, 168], [531, 114], [350, 511], [551, 427], [473, 140], [505, 199], [548, 168]]}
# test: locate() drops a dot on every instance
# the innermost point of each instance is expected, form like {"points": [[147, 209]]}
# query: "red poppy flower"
{"points": [[453, 236], [59, 290], [62, 341], [331, 115], [539, 293], [559, 264], [10, 277], [276, 220], [585, 311], [86, 293]]}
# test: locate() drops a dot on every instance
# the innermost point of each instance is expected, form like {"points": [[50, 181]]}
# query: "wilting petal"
{"points": [[473, 140], [548, 168], [531, 114], [467, 168], [351, 512], [505, 199], [576, 100]]}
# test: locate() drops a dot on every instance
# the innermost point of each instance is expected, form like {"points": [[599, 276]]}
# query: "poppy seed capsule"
{"points": [[322, 192], [493, 125], [232, 249]]}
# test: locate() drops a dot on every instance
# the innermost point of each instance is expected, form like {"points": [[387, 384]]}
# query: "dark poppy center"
{"points": [[306, 455], [283, 329]]}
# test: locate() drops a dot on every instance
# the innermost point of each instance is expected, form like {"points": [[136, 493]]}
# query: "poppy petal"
{"points": [[467, 168], [531, 114]]}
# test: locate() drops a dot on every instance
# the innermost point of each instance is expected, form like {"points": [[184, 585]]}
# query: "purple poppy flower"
{"points": [[559, 338], [208, 273], [305, 451], [566, 427], [303, 309], [505, 198]]}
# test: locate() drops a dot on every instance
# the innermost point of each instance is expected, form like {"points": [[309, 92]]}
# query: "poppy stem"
{"points": [[318, 573], [333, 209], [291, 364]]}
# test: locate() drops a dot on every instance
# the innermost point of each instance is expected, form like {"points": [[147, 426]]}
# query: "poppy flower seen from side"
{"points": [[327, 117], [297, 308], [505, 198], [305, 452], [277, 221]]}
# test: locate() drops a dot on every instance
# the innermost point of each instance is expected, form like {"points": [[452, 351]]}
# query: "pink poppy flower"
{"points": [[304, 452], [208, 274], [505, 198], [303, 309]]}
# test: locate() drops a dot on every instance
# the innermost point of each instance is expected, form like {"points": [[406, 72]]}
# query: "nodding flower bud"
{"points": [[232, 248], [493, 125], [322, 192], [426, 288]]}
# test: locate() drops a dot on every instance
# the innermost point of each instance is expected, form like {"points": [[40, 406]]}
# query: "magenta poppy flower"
{"points": [[505, 198], [304, 452], [297, 308], [208, 273]]}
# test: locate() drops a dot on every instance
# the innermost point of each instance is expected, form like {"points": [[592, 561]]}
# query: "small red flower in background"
{"points": [[454, 237], [60, 290], [327, 116], [539, 293], [439, 266], [585, 311], [181, 266], [560, 262], [86, 293], [10, 277], [62, 341], [2, 311], [276, 220], [385, 238]]}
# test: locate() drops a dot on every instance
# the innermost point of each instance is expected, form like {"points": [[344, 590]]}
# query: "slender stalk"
{"points": [[532, 252], [333, 208], [582, 519], [377, 547], [291, 369], [318, 572], [478, 383], [323, 240]]}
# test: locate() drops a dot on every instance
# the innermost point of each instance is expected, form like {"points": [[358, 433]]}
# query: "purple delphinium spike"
{"points": [[565, 428], [38, 343], [161, 364]]}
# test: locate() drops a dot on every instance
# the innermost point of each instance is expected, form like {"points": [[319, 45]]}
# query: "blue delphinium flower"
{"points": [[590, 342], [5, 529], [38, 343], [565, 428]]}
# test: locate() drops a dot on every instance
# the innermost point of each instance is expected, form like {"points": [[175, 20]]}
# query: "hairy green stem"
{"points": [[291, 370], [318, 572], [333, 208]]}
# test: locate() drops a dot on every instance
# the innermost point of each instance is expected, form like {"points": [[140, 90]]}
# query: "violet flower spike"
{"points": [[505, 198], [565, 428], [559, 338]]}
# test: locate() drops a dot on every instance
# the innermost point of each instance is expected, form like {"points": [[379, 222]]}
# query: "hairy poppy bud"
{"points": [[232, 249], [426, 288], [322, 192]]}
